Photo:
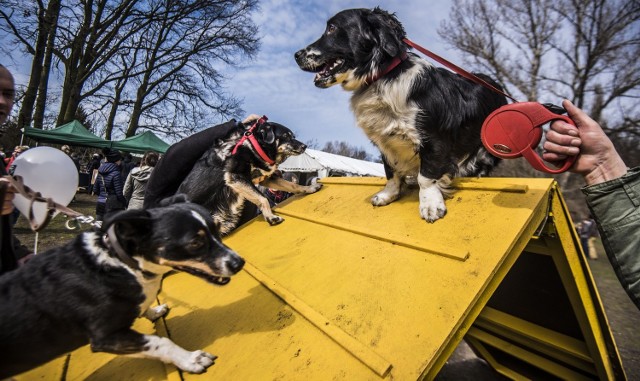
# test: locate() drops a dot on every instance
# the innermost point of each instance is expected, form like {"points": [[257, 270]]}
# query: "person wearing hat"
{"points": [[109, 184]]}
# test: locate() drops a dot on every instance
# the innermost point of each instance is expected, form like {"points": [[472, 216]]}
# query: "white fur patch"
{"points": [[199, 218], [388, 119], [163, 349], [432, 205], [389, 194]]}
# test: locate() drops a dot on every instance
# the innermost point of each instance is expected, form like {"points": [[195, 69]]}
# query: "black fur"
{"points": [[221, 181], [82, 293], [426, 121]]}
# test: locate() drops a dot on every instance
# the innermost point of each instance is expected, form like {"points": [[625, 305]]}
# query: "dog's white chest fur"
{"points": [[388, 119]]}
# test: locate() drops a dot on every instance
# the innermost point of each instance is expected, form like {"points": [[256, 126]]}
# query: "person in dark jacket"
{"points": [[177, 162], [110, 185], [612, 191]]}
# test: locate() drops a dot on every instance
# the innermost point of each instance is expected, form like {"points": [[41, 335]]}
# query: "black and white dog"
{"points": [[93, 288], [225, 176], [425, 120]]}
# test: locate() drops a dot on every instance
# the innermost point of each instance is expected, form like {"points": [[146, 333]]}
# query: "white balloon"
{"points": [[49, 171]]}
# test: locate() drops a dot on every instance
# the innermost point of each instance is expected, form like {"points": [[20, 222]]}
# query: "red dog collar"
{"points": [[248, 135], [395, 62]]}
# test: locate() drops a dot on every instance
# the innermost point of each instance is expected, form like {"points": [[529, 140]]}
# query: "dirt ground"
{"points": [[624, 317]]}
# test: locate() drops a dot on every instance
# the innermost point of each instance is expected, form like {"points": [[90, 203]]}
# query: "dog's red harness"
{"points": [[515, 129], [248, 135]]}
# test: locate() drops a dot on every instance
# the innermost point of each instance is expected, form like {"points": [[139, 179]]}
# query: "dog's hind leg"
{"points": [[155, 313], [134, 344], [281, 184]]}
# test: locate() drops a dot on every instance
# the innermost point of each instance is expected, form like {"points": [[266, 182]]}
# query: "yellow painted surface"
{"points": [[342, 290], [397, 286]]}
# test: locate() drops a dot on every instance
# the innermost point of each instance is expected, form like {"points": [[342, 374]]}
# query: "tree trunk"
{"points": [[41, 102], [26, 111]]}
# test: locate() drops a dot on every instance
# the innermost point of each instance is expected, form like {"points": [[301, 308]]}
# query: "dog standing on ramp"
{"points": [[425, 120]]}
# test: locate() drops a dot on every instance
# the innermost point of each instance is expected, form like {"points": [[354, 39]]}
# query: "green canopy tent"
{"points": [[141, 143], [72, 133]]}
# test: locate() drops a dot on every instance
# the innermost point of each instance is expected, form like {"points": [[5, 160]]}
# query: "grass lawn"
{"points": [[56, 234]]}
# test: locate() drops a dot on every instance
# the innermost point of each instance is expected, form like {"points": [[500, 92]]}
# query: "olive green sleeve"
{"points": [[615, 206]]}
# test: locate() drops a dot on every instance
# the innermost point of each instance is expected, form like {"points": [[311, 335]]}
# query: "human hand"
{"points": [[597, 160], [251, 118], [7, 203]]}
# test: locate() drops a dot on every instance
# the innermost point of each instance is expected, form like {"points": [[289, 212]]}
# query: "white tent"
{"points": [[326, 163]]}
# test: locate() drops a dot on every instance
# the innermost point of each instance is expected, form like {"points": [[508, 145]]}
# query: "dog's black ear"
{"points": [[388, 30], [175, 199], [266, 133]]}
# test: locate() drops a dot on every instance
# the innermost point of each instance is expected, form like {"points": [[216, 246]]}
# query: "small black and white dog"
{"points": [[91, 290], [225, 176], [425, 120]]}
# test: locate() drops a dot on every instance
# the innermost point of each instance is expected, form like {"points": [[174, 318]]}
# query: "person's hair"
{"points": [[150, 158]]}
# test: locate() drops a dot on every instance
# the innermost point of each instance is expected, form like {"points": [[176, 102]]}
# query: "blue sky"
{"points": [[273, 85]]}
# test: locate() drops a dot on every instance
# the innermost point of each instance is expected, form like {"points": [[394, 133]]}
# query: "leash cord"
{"points": [[18, 184]]}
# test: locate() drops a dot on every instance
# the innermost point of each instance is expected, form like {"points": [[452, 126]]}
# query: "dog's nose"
{"points": [[299, 54], [236, 263], [304, 147]]}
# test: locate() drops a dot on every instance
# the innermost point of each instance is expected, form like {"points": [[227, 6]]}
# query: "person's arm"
{"points": [[118, 186], [177, 162], [612, 191]]}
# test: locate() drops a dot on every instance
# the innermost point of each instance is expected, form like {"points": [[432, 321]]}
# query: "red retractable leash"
{"points": [[515, 129]]}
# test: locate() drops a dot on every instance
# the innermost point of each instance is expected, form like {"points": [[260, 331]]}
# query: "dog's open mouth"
{"points": [[219, 280], [329, 69]]}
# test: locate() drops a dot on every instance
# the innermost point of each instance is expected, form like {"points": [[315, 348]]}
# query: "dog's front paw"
{"points": [[155, 313], [383, 198], [432, 210], [197, 362], [313, 188], [274, 220]]}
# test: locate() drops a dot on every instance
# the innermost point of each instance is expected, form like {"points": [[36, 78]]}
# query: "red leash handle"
{"points": [[515, 130]]}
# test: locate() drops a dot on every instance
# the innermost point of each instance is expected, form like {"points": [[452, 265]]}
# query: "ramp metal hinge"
{"points": [[545, 228]]}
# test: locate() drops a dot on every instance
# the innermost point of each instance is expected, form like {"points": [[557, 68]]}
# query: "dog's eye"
{"points": [[195, 243], [331, 28]]}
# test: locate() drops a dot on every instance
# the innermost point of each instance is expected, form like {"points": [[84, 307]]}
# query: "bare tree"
{"points": [[547, 50], [179, 53], [345, 149], [151, 63], [18, 20]]}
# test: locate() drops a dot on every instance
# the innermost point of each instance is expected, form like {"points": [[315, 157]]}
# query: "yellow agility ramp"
{"points": [[342, 290]]}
